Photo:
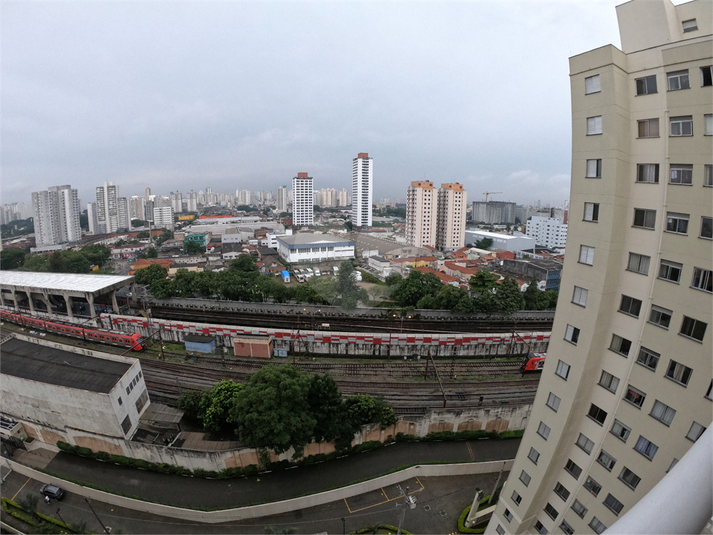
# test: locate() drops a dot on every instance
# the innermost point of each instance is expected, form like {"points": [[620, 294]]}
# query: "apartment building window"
{"points": [[620, 345], [681, 174], [660, 316], [534, 455], [584, 443], [706, 76], [566, 528], [579, 296], [645, 447], [561, 491], [630, 306], [591, 212], [614, 505], [635, 396], [525, 478], [608, 381], [639, 263], [551, 511], [592, 84], [542, 530], [629, 478], [692, 328], [553, 402], [695, 432], [562, 369], [597, 526], [702, 279], [507, 515], [648, 358], [706, 228], [572, 469], [619, 430], [648, 128], [594, 168], [689, 25], [644, 218], [670, 271], [646, 85], [578, 508], [594, 125], [708, 125], [597, 414], [606, 460], [682, 126], [500, 530], [571, 334], [586, 255], [678, 80], [662, 412], [708, 175], [678, 372], [677, 222], [647, 172], [543, 430], [516, 498]]}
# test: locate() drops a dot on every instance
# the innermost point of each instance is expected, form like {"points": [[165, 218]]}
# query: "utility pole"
{"points": [[409, 502], [105, 528]]}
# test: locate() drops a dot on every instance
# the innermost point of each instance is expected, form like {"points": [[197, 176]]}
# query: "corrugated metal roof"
{"points": [[62, 281], [61, 368]]}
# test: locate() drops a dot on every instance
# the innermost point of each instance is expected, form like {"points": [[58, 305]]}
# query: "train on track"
{"points": [[134, 341], [533, 362]]}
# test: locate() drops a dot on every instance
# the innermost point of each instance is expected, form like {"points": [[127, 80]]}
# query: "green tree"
{"points": [[138, 223], [347, 287], [325, 286], [508, 297], [36, 262], [535, 299], [205, 283], [143, 235], [484, 243], [12, 258], [365, 409], [183, 283], [190, 402], [551, 296], [150, 274], [483, 281], [244, 263], [56, 263], [216, 405], [426, 302], [392, 279], [193, 247], [449, 296], [273, 410], [75, 262], [329, 411], [163, 289], [97, 255], [416, 286]]}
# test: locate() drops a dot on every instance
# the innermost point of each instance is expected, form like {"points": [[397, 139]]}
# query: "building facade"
{"points": [[626, 389], [421, 206], [302, 200], [494, 212], [362, 190], [308, 247], [163, 217], [450, 217], [107, 208], [56, 216], [281, 199], [547, 231]]}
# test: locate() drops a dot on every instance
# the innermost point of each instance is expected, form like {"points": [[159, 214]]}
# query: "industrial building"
{"points": [[307, 247]]}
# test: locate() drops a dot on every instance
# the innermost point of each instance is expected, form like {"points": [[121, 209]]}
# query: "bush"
{"points": [[250, 470]]}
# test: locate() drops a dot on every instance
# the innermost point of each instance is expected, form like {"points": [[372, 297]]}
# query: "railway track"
{"points": [[297, 321]]}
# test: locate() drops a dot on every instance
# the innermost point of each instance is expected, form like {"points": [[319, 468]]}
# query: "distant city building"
{"points": [[343, 197], [421, 204], [163, 217], [177, 202], [92, 218], [307, 247], [362, 190], [14, 211], [243, 197], [149, 208], [303, 200], [326, 198], [192, 202], [547, 231], [494, 212], [450, 217], [148, 193], [56, 216], [107, 208], [137, 206], [123, 220], [282, 199], [506, 242]]}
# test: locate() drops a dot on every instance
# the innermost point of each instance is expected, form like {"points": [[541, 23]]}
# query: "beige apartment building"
{"points": [[436, 217], [626, 390]]}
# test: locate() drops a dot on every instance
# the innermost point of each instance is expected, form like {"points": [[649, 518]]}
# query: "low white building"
{"points": [[307, 247], [507, 242], [547, 231]]}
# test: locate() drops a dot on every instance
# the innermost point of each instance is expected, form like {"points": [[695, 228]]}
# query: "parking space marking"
{"points": [[470, 450], [387, 500], [22, 487]]}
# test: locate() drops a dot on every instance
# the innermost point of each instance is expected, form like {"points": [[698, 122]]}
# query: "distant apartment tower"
{"points": [[163, 217], [343, 197], [627, 386], [192, 201], [123, 220], [362, 190], [547, 231], [282, 199], [107, 208], [137, 206], [421, 205], [56, 216], [494, 212], [177, 202], [450, 217], [243, 197], [302, 200], [148, 193]]}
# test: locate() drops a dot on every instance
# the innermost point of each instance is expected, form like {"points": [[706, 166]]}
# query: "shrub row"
{"points": [[33, 519], [374, 529], [460, 435]]}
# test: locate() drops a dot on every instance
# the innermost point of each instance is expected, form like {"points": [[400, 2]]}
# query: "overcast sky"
{"points": [[243, 95]]}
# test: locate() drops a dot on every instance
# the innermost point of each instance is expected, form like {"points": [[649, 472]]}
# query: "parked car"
{"points": [[52, 491]]}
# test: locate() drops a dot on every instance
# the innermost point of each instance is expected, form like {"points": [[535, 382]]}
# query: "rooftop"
{"points": [[71, 282], [307, 238], [53, 366]]}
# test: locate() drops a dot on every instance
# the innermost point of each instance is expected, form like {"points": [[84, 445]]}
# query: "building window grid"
{"points": [[592, 486], [648, 358], [525, 478], [677, 223], [597, 525], [659, 316], [551, 511], [645, 447], [597, 414], [566, 528], [553, 402], [647, 173], [609, 382], [579, 509], [543, 430], [693, 329], [592, 84], [695, 432], [620, 345], [646, 85], [594, 168], [540, 528], [573, 469], [678, 373], [629, 478], [516, 498], [706, 228], [630, 306], [638, 263], [644, 218], [678, 80], [670, 271], [620, 430], [561, 491], [682, 126], [571, 334], [585, 443], [533, 455], [662, 412], [648, 128], [708, 175], [681, 174], [579, 296], [635, 396], [594, 125], [562, 369], [606, 460]]}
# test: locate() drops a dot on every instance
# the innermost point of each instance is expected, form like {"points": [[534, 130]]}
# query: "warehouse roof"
{"points": [[313, 239], [53, 366], [72, 282]]}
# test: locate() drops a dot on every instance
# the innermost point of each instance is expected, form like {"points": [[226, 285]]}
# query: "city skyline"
{"points": [[90, 95]]}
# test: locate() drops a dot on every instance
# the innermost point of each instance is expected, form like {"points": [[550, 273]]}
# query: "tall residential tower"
{"points": [[362, 190], [56, 216], [302, 200], [626, 390]]}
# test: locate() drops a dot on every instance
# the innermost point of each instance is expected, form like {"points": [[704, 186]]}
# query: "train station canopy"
{"points": [[73, 284]]}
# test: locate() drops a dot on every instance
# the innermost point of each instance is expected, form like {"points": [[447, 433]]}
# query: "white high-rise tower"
{"points": [[362, 190], [302, 200]]}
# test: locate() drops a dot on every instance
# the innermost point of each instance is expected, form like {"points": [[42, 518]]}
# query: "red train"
{"points": [[134, 341], [534, 362]]}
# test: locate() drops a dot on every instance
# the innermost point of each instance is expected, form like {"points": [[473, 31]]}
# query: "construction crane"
{"points": [[486, 193]]}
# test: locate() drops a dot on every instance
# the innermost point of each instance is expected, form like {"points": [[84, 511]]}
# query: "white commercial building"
{"points": [[56, 216], [307, 247], [547, 231], [506, 242], [302, 200], [627, 387], [362, 190]]}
